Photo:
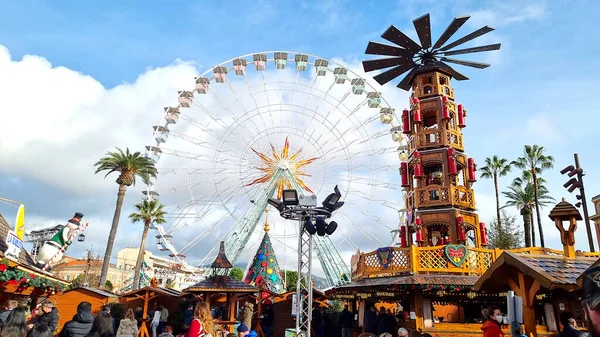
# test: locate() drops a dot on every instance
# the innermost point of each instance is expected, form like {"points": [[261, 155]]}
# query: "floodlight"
{"points": [[332, 202], [310, 228], [290, 197], [331, 228], [276, 203], [320, 225]]}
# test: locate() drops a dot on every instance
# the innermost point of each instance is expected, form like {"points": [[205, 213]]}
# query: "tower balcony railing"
{"points": [[428, 260], [434, 137], [436, 195]]}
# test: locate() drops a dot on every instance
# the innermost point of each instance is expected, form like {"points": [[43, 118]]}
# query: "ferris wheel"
{"points": [[254, 125]]}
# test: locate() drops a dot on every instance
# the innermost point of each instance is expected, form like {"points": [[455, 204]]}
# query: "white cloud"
{"points": [[60, 122], [543, 129]]}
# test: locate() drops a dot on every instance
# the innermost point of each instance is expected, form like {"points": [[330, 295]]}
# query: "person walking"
{"points": [[345, 322], [40, 330], [155, 323], [16, 324], [10, 305], [569, 329], [370, 321], [102, 326], [203, 324], [493, 319], [128, 326], [81, 324], [164, 317], [317, 321], [49, 316]]}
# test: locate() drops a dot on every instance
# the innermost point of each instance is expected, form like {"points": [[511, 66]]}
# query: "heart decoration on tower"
{"points": [[456, 254]]}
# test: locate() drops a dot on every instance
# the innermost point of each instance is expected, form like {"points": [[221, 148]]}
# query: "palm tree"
{"points": [[148, 211], [521, 194], [535, 161], [129, 165], [496, 167]]}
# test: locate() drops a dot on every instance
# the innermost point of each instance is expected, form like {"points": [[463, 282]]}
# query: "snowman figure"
{"points": [[53, 250]]}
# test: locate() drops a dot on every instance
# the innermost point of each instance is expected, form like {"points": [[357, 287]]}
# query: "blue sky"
{"points": [[98, 69]]}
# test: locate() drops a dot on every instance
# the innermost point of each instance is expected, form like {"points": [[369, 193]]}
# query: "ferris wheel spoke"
{"points": [[363, 230]]}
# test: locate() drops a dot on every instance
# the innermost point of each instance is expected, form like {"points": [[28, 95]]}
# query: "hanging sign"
{"points": [[385, 294], [363, 295], [385, 256], [456, 254], [14, 246], [344, 296]]}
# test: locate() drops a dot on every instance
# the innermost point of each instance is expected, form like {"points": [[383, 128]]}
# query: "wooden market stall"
{"points": [[220, 289], [547, 284], [149, 298], [20, 279], [283, 310], [67, 301]]}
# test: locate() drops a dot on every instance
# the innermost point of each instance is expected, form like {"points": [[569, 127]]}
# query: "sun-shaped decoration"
{"points": [[283, 161]]}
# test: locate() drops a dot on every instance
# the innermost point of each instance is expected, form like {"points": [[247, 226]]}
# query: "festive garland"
{"points": [[12, 276]]}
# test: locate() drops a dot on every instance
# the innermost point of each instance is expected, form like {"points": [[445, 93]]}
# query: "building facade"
{"points": [[168, 272]]}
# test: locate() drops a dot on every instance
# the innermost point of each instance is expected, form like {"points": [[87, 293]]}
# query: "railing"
{"points": [[436, 195], [433, 260], [435, 137]]}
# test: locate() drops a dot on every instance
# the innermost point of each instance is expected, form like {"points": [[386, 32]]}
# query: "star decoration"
{"points": [[293, 163]]}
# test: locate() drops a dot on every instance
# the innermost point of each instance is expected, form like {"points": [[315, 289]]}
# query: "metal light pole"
{"points": [[305, 212], [571, 185]]}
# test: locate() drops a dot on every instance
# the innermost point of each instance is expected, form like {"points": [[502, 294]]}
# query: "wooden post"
{"points": [[526, 287], [231, 308], [143, 331], [418, 308]]}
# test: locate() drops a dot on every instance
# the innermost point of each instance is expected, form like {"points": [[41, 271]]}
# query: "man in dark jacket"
{"points": [[370, 321], [568, 323], [385, 322], [49, 316], [81, 324], [345, 322]]}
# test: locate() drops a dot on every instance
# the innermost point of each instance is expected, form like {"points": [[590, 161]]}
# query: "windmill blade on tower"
{"points": [[375, 48], [423, 28], [412, 57], [488, 47], [389, 75], [452, 28], [481, 31], [473, 64], [396, 36]]}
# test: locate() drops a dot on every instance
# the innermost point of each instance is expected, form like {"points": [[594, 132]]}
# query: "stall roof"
{"points": [[220, 283], [95, 290], [157, 290], [551, 271], [434, 279]]}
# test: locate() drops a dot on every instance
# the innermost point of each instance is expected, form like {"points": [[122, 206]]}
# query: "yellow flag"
{"points": [[20, 222]]}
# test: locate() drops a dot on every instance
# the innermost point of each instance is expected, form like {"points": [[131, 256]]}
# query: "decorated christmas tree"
{"points": [[264, 270]]}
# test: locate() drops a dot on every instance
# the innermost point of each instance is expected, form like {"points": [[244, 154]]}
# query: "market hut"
{"points": [[284, 310], [220, 288], [547, 283], [67, 301], [148, 298], [20, 279]]}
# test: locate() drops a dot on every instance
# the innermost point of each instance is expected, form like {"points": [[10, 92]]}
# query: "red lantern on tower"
{"points": [[416, 111], [404, 174], [483, 233], [417, 168], [452, 162], [403, 240], [405, 122], [462, 114], [471, 169], [460, 229], [445, 110], [419, 234]]}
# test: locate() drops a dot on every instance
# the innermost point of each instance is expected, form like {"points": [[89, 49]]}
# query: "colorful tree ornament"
{"points": [[264, 269]]}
